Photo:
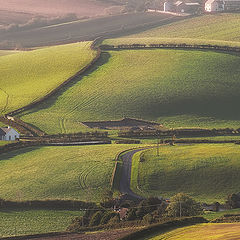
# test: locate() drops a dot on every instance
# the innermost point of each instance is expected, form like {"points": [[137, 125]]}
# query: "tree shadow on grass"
{"points": [[10, 155]]}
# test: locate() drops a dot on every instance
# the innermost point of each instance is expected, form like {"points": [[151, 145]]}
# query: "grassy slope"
{"points": [[6, 52], [206, 172], [58, 172], [27, 76], [209, 215], [4, 142], [177, 88], [18, 222], [206, 231], [213, 27]]}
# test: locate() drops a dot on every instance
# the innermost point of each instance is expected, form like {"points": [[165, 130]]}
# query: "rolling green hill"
{"points": [[28, 76], [206, 231], [224, 26], [74, 172], [206, 172], [173, 87]]}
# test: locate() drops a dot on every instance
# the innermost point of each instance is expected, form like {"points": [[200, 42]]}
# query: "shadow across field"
{"points": [[15, 153], [103, 59]]}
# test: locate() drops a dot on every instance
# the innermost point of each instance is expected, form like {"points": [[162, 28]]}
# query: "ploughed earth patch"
{"points": [[55, 7], [125, 123]]}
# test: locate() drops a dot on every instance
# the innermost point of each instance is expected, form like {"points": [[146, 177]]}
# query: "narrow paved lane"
{"points": [[125, 181]]}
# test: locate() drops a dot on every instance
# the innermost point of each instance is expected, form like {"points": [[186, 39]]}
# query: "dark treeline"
{"points": [[48, 204], [180, 133], [170, 45]]}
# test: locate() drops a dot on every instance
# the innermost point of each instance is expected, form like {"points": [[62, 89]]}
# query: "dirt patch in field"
{"points": [[56, 7], [126, 123]]}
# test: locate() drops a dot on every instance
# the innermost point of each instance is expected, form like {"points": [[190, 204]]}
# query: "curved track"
{"points": [[125, 181]]}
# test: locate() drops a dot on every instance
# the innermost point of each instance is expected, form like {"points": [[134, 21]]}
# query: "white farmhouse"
{"points": [[222, 5], [214, 6], [8, 134]]}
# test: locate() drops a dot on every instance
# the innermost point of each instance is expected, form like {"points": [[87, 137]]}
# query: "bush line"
{"points": [[171, 46]]}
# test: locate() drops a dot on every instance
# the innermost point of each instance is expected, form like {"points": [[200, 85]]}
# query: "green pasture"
{"points": [[2, 143], [209, 215], [206, 231], [72, 172], [7, 52], [29, 75], [207, 172], [178, 88], [16, 222], [221, 26]]}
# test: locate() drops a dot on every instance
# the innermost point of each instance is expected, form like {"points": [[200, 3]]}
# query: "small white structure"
{"points": [[222, 5], [8, 134], [168, 6], [214, 6]]}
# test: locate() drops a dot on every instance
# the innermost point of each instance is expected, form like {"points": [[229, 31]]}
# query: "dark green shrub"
{"points": [[96, 218], [107, 216], [148, 219]]}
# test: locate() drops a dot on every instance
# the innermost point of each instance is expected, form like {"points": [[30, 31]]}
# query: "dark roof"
{"points": [[4, 130], [2, 133]]}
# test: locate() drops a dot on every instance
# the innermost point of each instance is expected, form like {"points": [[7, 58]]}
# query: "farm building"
{"points": [[182, 7], [222, 5], [8, 134]]}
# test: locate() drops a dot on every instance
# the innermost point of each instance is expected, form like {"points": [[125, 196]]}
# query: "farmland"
{"points": [[2, 143], [212, 27], [24, 222], [5, 52], [178, 88], [203, 232], [82, 30], [81, 173], [51, 8], [29, 75], [206, 172]]}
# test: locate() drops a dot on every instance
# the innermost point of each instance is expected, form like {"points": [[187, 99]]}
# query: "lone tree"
{"points": [[182, 205]]}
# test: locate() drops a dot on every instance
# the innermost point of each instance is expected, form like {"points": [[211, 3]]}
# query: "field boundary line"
{"points": [[170, 46], [55, 90]]}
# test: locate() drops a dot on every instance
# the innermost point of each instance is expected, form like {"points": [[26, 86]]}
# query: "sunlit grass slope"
{"points": [[25, 222], [174, 87], [27, 76], [78, 172], [6, 52], [206, 172], [223, 26], [206, 231]]}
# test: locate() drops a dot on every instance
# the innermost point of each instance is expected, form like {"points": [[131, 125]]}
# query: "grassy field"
{"points": [[223, 26], [206, 172], [74, 172], [206, 231], [213, 215], [174, 87], [4, 143], [28, 76], [6, 52], [16, 222]]}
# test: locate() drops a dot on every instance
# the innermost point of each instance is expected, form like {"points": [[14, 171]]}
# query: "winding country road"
{"points": [[125, 181]]}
